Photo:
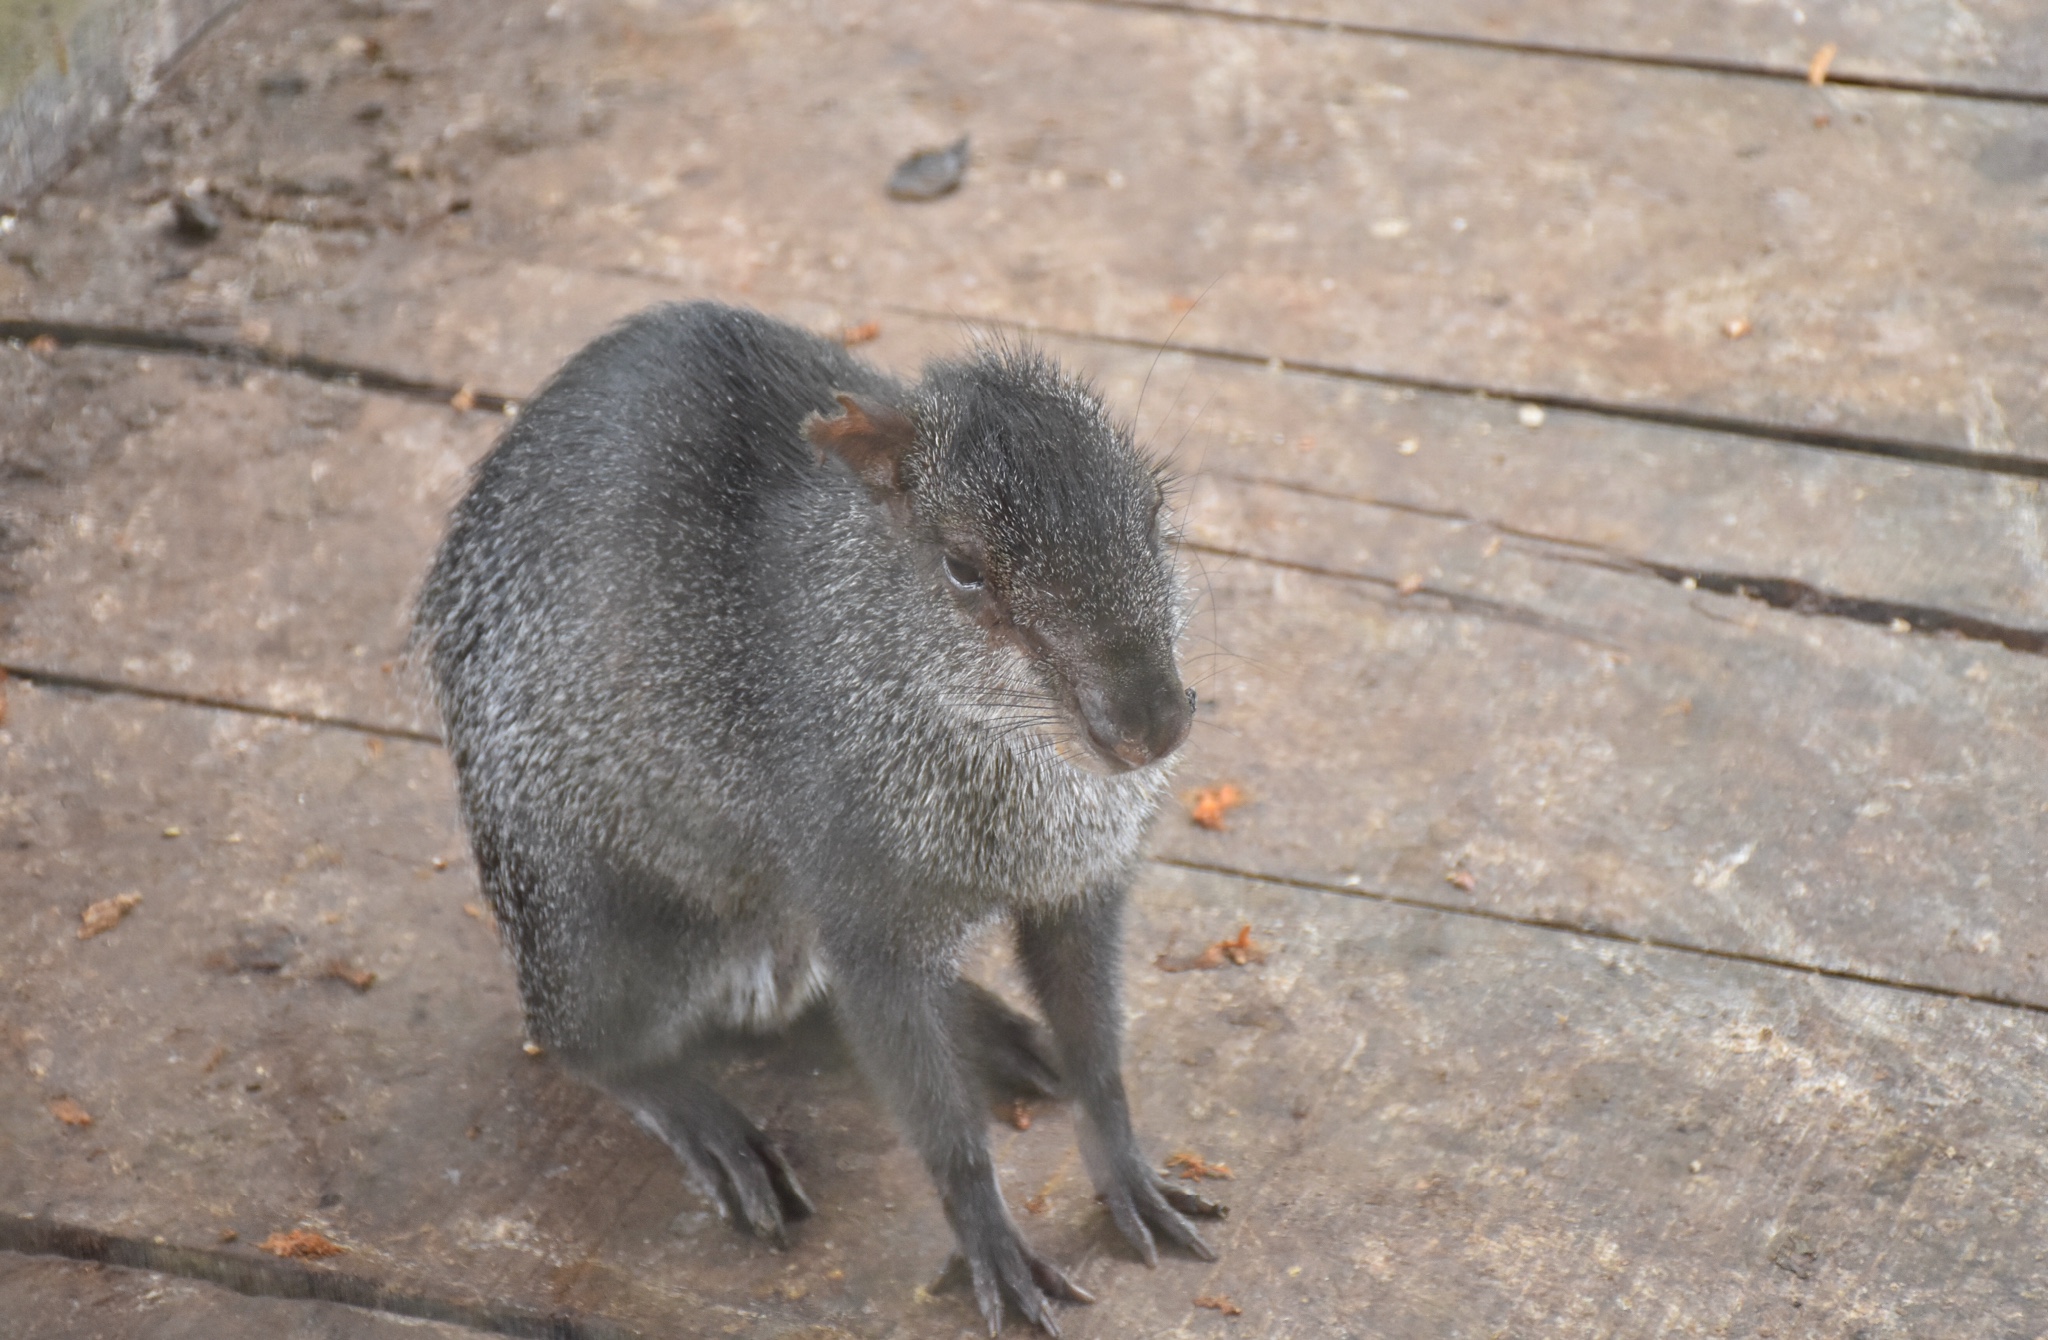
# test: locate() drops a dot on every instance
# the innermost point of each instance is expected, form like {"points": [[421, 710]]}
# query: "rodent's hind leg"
{"points": [[1014, 1054], [741, 1168]]}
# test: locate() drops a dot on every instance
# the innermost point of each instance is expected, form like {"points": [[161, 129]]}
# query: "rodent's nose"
{"points": [[1140, 728]]}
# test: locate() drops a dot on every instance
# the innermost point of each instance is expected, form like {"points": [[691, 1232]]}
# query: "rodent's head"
{"points": [[1041, 523]]}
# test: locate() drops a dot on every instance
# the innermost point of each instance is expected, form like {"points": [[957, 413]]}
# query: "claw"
{"points": [[1056, 1285]]}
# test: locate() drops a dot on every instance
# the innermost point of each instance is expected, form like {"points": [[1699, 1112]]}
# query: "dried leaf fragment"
{"points": [[1037, 1204], [106, 914], [1460, 878], [464, 400], [1207, 805], [1817, 68], [1220, 1303], [301, 1244], [1240, 950], [70, 1113], [362, 979], [1194, 1168], [861, 334]]}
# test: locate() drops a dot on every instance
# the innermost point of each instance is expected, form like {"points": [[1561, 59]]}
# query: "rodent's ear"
{"points": [[870, 437]]}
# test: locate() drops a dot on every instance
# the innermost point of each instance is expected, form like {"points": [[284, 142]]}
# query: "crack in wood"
{"points": [[261, 1277], [1594, 932], [59, 679], [1663, 416], [23, 330], [1785, 593], [1457, 602], [235, 351], [1797, 597], [1945, 88]]}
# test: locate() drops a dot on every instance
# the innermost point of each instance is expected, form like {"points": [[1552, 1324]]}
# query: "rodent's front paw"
{"points": [[1143, 1205], [1005, 1270]]}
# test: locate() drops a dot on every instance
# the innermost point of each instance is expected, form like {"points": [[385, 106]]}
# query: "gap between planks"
{"points": [[1943, 88], [64, 333], [261, 1277], [89, 684]]}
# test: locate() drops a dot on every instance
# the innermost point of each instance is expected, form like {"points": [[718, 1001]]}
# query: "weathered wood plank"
{"points": [[246, 535], [2001, 46], [1482, 217], [1437, 1125]]}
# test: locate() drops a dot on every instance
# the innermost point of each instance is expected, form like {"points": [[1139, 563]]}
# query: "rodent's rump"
{"points": [[761, 670]]}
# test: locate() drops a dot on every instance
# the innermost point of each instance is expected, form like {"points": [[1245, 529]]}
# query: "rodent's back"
{"points": [[598, 609]]}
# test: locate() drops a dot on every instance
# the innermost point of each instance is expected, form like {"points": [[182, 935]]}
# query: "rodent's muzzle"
{"points": [[1136, 723]]}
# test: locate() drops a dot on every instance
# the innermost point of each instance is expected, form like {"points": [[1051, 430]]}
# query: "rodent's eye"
{"points": [[963, 574]]}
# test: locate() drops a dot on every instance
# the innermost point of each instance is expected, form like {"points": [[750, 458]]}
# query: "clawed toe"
{"points": [[1146, 1209]]}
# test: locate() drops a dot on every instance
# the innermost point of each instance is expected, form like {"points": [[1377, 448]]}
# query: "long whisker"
{"points": [[1138, 414]]}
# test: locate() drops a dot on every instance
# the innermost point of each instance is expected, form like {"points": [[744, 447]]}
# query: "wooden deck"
{"points": [[1615, 476]]}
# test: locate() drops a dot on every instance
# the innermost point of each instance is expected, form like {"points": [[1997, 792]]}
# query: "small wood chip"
{"points": [[301, 1244], [476, 910], [43, 344], [1194, 1168], [1018, 1114], [106, 914], [1735, 327], [861, 334], [1408, 585], [463, 400], [533, 1049], [930, 173], [362, 979], [70, 1113], [1220, 1303], [1037, 1205], [1817, 68], [1209, 804], [229, 1235], [1460, 878]]}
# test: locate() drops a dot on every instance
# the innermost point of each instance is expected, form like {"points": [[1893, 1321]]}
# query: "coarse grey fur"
{"points": [[765, 674]]}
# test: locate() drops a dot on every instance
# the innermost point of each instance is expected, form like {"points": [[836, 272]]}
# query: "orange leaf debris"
{"points": [[1240, 950], [1194, 1168], [1208, 805], [301, 1244], [70, 1113], [106, 914]]}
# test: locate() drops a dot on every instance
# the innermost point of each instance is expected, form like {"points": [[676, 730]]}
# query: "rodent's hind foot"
{"points": [[740, 1168], [1012, 1272], [1013, 1053]]}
